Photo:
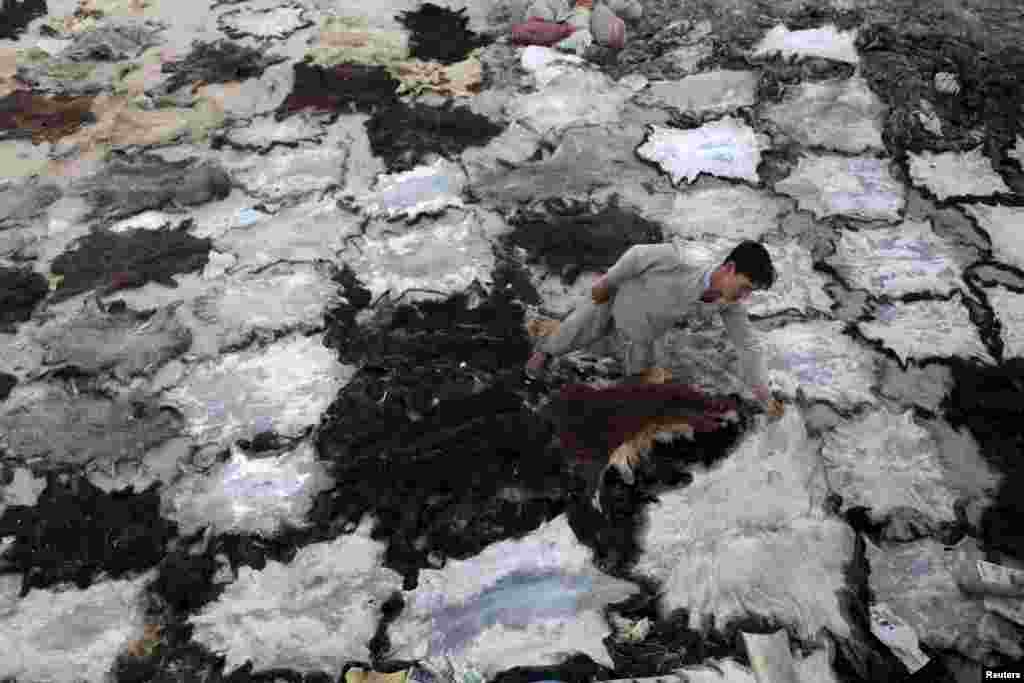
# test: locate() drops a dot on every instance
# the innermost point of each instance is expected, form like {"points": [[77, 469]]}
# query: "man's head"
{"points": [[746, 268]]}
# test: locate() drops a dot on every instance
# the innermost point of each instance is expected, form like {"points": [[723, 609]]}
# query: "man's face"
{"points": [[732, 286]]}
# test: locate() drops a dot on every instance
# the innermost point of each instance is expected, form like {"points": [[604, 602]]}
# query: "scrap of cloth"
{"points": [[540, 32], [592, 422], [461, 79]]}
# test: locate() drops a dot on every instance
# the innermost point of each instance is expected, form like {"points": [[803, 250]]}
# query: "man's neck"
{"points": [[708, 295]]}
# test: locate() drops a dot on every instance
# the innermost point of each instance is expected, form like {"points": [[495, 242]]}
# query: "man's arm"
{"points": [[640, 258], [737, 324]]}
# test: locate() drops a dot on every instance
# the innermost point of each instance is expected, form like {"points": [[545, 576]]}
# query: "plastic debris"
{"points": [[249, 216], [898, 636], [357, 675], [947, 83], [770, 657], [638, 632], [147, 644], [985, 578], [1000, 575], [1011, 579]]}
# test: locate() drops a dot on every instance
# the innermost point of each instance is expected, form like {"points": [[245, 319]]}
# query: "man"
{"points": [[651, 287]]}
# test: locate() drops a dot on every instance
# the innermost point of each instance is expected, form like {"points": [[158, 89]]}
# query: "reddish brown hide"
{"points": [[46, 119], [593, 422]]}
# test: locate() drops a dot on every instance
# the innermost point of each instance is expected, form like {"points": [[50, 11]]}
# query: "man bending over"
{"points": [[648, 290]]}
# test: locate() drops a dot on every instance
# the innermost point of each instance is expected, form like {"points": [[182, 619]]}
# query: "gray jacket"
{"points": [[656, 285]]}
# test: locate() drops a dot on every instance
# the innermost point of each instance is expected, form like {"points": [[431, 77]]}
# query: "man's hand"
{"points": [[601, 292], [774, 408], [578, 43], [657, 376]]}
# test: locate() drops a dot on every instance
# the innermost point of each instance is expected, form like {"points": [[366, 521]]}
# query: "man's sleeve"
{"points": [[638, 356], [639, 258], [737, 324]]}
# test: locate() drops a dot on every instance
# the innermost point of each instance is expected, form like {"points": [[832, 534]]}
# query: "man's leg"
{"points": [[639, 360], [588, 323]]}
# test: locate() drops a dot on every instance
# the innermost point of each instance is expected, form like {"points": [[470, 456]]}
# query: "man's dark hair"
{"points": [[752, 260]]}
